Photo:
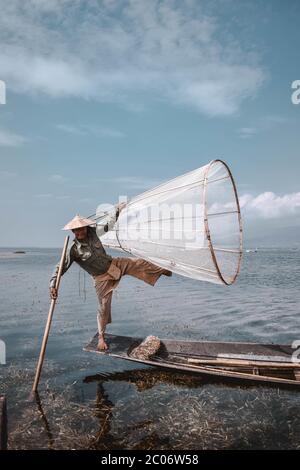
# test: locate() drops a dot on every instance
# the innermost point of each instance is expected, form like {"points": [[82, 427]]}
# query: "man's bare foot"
{"points": [[102, 346]]}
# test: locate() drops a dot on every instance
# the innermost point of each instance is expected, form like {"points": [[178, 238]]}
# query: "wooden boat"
{"points": [[265, 363]]}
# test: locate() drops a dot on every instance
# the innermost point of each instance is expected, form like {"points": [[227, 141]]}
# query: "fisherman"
{"points": [[87, 251]]}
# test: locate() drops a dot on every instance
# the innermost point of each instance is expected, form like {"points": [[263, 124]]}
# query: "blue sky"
{"points": [[109, 98]]}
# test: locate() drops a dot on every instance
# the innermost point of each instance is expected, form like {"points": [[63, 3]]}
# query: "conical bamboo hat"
{"points": [[77, 222]]}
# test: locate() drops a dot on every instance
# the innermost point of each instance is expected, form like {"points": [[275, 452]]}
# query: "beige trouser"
{"points": [[107, 282]]}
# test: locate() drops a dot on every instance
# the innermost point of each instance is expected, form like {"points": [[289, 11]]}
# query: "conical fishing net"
{"points": [[190, 225]]}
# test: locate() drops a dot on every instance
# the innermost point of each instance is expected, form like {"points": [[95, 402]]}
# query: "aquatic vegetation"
{"points": [[152, 409]]}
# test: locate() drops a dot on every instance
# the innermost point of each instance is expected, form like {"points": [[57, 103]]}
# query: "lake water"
{"points": [[97, 402]]}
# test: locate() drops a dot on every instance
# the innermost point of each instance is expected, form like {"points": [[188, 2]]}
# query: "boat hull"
{"points": [[264, 363]]}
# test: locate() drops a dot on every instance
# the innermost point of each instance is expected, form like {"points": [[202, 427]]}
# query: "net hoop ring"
{"points": [[206, 223]]}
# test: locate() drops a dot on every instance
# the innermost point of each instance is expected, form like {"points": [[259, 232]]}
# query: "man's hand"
{"points": [[102, 346], [120, 207], [53, 293]]}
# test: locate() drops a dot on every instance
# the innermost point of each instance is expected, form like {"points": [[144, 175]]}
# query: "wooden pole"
{"points": [[49, 320], [218, 361]]}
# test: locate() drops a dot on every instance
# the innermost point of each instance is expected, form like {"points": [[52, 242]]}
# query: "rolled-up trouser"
{"points": [[107, 282]]}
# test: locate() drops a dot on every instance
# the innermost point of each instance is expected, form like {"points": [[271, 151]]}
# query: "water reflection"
{"points": [[164, 410], [45, 421], [145, 379], [154, 409]]}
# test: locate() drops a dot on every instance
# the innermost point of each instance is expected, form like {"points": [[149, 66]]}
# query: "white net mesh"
{"points": [[190, 225]]}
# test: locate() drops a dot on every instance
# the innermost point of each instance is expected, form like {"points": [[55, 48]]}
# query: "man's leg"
{"points": [[141, 269], [137, 267], [103, 318], [104, 290]]}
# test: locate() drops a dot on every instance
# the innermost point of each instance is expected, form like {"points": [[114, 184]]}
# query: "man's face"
{"points": [[80, 233]]}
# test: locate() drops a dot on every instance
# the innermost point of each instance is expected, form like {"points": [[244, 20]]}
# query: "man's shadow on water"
{"points": [[142, 379]]}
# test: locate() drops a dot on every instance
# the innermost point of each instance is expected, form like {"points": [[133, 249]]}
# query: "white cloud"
{"points": [[63, 197], [107, 132], [114, 51], [70, 129], [7, 174], [50, 196], [44, 196], [132, 182], [262, 124], [246, 132], [58, 179], [11, 139], [85, 129], [86, 200], [268, 205]]}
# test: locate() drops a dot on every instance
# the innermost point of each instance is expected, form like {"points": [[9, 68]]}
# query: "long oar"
{"points": [[49, 320]]}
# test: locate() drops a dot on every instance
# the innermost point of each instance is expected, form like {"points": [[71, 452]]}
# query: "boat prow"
{"points": [[265, 363]]}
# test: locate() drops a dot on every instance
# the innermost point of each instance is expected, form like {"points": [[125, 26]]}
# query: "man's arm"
{"points": [[68, 261], [102, 229]]}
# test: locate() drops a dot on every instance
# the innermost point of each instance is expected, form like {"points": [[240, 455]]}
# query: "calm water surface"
{"points": [[90, 401]]}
